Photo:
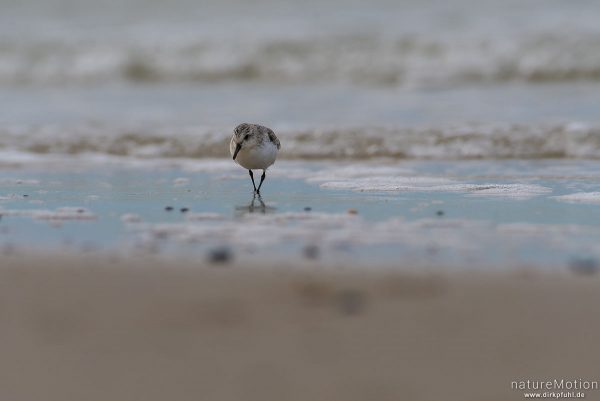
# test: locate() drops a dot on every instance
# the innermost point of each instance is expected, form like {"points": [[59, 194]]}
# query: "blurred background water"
{"points": [[152, 68]]}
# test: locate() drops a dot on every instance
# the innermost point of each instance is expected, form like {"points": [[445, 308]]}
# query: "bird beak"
{"points": [[237, 149]]}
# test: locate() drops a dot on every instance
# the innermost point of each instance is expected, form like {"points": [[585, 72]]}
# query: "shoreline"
{"points": [[99, 328]]}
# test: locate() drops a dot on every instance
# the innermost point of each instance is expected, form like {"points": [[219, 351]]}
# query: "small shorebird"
{"points": [[254, 147]]}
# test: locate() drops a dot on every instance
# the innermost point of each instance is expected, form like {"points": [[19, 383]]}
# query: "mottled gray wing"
{"points": [[273, 138]]}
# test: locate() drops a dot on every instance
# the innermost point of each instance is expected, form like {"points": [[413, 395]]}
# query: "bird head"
{"points": [[244, 136]]}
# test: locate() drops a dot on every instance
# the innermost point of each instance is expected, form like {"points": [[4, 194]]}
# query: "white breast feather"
{"points": [[259, 157]]}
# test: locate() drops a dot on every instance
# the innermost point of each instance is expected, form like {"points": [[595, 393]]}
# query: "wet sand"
{"points": [[100, 328]]}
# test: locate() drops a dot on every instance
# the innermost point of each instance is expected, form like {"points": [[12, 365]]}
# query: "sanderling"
{"points": [[255, 147]]}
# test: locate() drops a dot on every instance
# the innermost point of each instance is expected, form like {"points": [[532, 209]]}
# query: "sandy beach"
{"points": [[108, 329]]}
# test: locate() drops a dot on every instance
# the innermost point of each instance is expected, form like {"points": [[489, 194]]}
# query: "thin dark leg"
{"points": [[252, 177], [262, 178]]}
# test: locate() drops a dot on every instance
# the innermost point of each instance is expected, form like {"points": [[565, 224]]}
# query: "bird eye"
{"points": [[246, 137]]}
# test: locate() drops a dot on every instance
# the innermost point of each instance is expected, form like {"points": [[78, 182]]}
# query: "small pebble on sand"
{"points": [[351, 302], [220, 255], [584, 266], [311, 251]]}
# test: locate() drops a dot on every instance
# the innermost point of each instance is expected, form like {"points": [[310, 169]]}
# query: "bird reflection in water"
{"points": [[257, 205]]}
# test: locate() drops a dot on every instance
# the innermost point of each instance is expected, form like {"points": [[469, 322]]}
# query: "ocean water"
{"points": [[463, 134]]}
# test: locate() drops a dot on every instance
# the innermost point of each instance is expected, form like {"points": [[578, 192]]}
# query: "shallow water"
{"points": [[487, 214]]}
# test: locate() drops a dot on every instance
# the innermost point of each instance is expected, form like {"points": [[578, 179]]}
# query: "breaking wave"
{"points": [[494, 141], [409, 60]]}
